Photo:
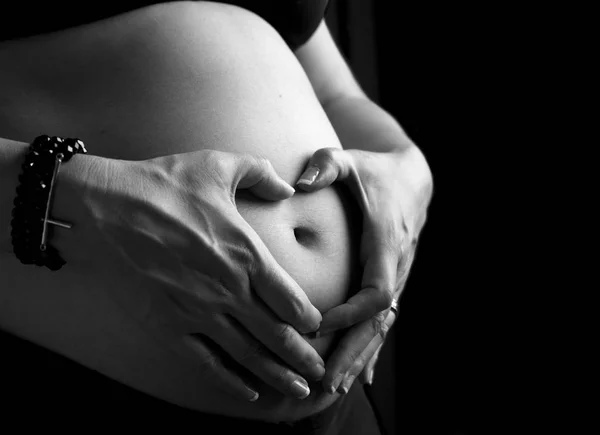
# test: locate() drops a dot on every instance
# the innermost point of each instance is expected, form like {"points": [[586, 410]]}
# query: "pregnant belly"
{"points": [[174, 78]]}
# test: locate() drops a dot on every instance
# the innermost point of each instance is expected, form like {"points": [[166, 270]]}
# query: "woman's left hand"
{"points": [[393, 190]]}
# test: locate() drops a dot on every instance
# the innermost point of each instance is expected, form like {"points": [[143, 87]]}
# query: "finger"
{"points": [[251, 354], [324, 167], [370, 354], [378, 284], [366, 375], [284, 341], [350, 352], [282, 294], [225, 379], [258, 175], [371, 371]]}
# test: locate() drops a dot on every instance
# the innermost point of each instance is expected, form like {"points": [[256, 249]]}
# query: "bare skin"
{"points": [[169, 80]]}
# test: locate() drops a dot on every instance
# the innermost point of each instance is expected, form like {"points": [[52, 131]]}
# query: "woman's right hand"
{"points": [[172, 222]]}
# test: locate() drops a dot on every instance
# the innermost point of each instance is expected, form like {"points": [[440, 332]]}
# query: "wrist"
{"points": [[413, 166], [78, 186]]}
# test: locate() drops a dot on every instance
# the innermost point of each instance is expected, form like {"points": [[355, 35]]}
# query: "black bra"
{"points": [[295, 20]]}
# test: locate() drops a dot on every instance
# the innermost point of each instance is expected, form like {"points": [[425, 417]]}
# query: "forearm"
{"points": [[12, 155], [362, 125], [81, 173]]}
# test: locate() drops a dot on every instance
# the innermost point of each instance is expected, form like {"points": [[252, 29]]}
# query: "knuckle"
{"points": [[210, 364], [375, 324], [182, 310], [326, 155], [384, 299], [360, 362], [257, 266], [282, 376], [262, 162], [223, 298], [300, 319], [265, 162], [241, 258], [252, 351], [353, 357], [230, 261], [379, 326], [284, 335], [216, 160], [249, 257]]}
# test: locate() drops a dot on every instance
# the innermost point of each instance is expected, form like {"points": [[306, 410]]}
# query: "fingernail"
{"points": [[370, 377], [336, 383], [255, 397], [331, 389], [309, 176], [289, 188], [300, 389], [341, 388], [345, 387]]}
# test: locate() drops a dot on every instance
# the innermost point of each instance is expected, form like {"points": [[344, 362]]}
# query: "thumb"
{"points": [[324, 167], [258, 175]]}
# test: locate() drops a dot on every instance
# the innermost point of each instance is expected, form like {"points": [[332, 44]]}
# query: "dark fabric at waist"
{"points": [[295, 20], [41, 385]]}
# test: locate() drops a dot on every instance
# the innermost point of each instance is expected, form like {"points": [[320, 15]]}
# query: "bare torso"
{"points": [[166, 79]]}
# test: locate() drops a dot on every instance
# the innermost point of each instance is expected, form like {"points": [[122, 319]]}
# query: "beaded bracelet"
{"points": [[31, 213]]}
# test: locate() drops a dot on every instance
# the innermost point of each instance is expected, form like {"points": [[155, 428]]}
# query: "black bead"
{"points": [[32, 196]]}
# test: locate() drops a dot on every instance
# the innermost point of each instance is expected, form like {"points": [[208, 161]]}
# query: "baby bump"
{"points": [[166, 79], [314, 238], [169, 78]]}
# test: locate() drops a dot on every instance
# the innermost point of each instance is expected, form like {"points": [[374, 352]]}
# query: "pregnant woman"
{"points": [[193, 272]]}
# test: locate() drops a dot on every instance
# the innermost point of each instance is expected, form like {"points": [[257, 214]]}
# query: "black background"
{"points": [[453, 361]]}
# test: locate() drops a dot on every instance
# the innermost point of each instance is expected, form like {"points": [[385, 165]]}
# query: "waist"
{"points": [[167, 79]]}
